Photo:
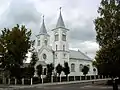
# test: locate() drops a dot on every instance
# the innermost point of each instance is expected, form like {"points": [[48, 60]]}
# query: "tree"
{"points": [[66, 69], [27, 72], [59, 69], [39, 70], [34, 59], [14, 45], [85, 70], [50, 69], [107, 26]]}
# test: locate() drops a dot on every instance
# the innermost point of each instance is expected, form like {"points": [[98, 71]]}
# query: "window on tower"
{"points": [[63, 47], [56, 47], [56, 37], [63, 37], [45, 42], [38, 43]]}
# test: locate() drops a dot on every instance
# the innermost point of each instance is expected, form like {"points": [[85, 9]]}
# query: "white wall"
{"points": [[49, 54], [77, 69]]}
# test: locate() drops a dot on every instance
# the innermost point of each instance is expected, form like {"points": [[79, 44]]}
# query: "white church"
{"points": [[59, 52]]}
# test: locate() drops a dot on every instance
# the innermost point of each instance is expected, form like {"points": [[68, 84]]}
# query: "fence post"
{"points": [[90, 77], [68, 78], [60, 78], [74, 78], [15, 81], [51, 78], [22, 81], [105, 77], [85, 77], [102, 76], [9, 81], [31, 81], [94, 76], [98, 76], [80, 78], [42, 78]]}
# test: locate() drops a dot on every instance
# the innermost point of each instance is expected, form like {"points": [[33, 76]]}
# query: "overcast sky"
{"points": [[78, 16]]}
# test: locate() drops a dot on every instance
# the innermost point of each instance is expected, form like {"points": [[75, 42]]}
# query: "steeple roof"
{"points": [[43, 30], [60, 22]]}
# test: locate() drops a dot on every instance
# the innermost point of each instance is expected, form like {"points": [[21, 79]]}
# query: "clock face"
{"points": [[44, 56]]}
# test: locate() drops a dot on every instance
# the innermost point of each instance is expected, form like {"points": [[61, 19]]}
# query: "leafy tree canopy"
{"points": [[66, 68], [85, 70], [14, 45], [107, 27], [59, 69], [39, 70]]}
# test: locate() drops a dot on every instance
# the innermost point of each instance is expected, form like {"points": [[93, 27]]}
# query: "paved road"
{"points": [[70, 87]]}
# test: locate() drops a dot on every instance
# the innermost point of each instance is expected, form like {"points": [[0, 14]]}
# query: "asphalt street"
{"points": [[70, 87]]}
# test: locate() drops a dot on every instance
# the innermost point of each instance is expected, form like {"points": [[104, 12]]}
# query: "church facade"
{"points": [[59, 52]]}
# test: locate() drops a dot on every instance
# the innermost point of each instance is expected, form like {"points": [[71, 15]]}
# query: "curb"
{"points": [[59, 83]]}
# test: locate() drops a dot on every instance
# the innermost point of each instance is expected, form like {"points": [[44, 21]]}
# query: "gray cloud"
{"points": [[20, 12], [83, 33], [77, 14]]}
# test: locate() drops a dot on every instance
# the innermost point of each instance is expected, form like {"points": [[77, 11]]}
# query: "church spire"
{"points": [[43, 30], [60, 22]]}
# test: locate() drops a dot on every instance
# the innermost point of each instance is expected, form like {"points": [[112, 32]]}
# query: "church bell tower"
{"points": [[60, 42]]}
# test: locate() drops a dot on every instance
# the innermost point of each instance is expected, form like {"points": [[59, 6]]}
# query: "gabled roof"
{"points": [[78, 55], [60, 22], [43, 30]]}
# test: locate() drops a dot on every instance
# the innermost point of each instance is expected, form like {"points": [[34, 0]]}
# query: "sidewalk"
{"points": [[56, 83]]}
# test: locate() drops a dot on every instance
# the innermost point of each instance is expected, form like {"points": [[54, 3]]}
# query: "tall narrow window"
{"points": [[56, 47], [72, 67], [38, 43], [56, 37], [63, 47], [45, 42], [80, 67], [63, 37]]}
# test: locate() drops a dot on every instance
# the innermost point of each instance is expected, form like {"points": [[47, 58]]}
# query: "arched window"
{"points": [[38, 43], [80, 67], [72, 67], [56, 47], [63, 37], [56, 37], [64, 55], [63, 47], [45, 42]]}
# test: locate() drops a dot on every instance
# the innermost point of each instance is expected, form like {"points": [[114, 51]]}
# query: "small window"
{"points": [[80, 67], [38, 43], [64, 55], [56, 37], [44, 56], [63, 47], [55, 55], [72, 67], [45, 42], [63, 37], [56, 47]]}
